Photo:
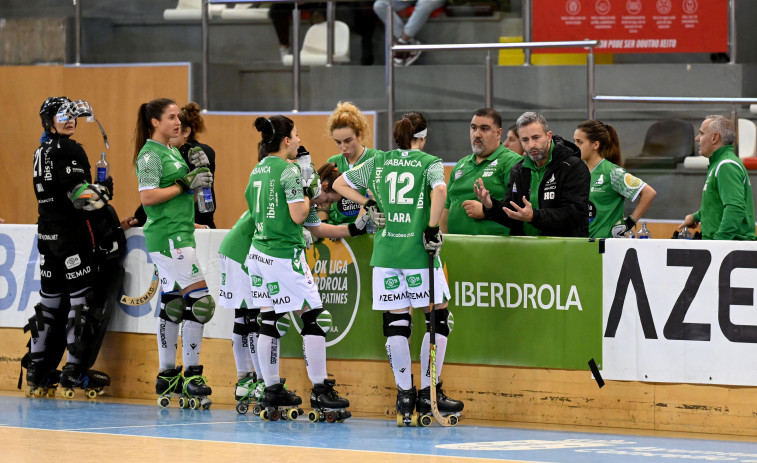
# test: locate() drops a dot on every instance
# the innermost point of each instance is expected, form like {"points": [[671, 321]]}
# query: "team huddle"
{"points": [[555, 188]]}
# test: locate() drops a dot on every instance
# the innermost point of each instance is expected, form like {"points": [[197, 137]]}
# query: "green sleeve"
{"points": [[731, 190]]}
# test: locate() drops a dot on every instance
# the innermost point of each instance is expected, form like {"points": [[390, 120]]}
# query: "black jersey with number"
{"points": [[59, 165]]}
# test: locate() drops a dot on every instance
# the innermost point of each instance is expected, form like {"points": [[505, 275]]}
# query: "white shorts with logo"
{"points": [[396, 288], [284, 284], [182, 268], [235, 290]]}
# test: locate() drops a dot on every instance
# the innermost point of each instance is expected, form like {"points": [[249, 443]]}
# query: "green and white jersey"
{"points": [[274, 183], [610, 187], [169, 225], [236, 243], [345, 211], [495, 172], [401, 182]]}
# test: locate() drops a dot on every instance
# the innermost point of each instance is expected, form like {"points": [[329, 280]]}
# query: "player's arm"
{"points": [[155, 196], [342, 187], [325, 230], [646, 196], [731, 179], [443, 221]]}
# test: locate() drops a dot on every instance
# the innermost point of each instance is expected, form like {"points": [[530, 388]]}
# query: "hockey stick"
{"points": [[129, 300], [450, 420]]}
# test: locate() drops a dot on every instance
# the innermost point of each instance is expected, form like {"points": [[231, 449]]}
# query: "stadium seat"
{"points": [[667, 143], [189, 10], [696, 162], [747, 139], [243, 12], [313, 52]]}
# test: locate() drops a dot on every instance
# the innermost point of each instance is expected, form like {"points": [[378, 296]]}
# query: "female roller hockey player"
{"points": [[235, 290], [66, 199], [348, 127], [165, 189], [409, 188], [279, 273]]}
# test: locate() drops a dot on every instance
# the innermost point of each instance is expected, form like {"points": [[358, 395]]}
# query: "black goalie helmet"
{"points": [[49, 109]]}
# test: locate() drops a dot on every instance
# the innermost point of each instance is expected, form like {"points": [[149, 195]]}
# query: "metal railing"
{"points": [[590, 75]]}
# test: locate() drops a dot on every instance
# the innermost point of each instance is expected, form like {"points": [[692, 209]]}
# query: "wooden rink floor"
{"points": [[119, 430]]}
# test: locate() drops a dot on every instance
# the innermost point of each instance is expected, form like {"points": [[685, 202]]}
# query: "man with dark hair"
{"points": [[727, 211], [548, 191], [463, 213]]}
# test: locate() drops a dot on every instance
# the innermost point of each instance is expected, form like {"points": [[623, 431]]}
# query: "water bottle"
{"points": [[685, 234], [643, 233], [102, 168], [205, 200]]}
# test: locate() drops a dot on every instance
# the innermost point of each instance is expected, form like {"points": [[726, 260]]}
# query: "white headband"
{"points": [[421, 134]]}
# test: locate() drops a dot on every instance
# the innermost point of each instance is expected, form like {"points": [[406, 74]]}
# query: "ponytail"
{"points": [[144, 130]]}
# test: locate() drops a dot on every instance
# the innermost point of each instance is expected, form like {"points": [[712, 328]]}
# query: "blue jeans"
{"points": [[423, 8]]}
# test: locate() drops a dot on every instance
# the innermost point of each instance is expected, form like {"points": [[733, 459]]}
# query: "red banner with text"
{"points": [[634, 26]]}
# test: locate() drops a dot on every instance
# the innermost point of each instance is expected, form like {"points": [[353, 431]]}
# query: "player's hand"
{"points": [[377, 217], [308, 238], [433, 240], [474, 209], [198, 178], [482, 193], [198, 158], [108, 184], [313, 189], [688, 222], [620, 229], [359, 227]]}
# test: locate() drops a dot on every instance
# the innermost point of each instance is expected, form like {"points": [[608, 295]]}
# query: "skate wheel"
{"points": [[264, 415], [313, 416], [51, 392], [91, 393], [242, 408], [275, 415], [414, 419], [164, 402], [293, 414], [425, 420], [193, 404], [453, 420], [331, 417], [183, 403], [68, 393], [39, 393], [256, 409], [400, 421]]}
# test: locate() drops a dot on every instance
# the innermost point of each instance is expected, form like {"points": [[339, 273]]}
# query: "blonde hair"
{"points": [[347, 114]]}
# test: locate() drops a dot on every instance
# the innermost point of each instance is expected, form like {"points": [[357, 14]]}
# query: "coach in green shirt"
{"points": [[727, 211], [463, 213]]}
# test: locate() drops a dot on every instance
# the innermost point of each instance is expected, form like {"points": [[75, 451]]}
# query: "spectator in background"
{"points": [[611, 185], [548, 192], [491, 161], [404, 33], [727, 211], [512, 142]]}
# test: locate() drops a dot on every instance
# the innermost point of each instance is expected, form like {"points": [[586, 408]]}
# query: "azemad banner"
{"points": [[635, 26], [680, 311], [515, 301]]}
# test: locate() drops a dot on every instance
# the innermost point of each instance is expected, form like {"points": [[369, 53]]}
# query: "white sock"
{"points": [[191, 342], [168, 339], [268, 356], [314, 350], [441, 348], [253, 343], [398, 350], [241, 351]]}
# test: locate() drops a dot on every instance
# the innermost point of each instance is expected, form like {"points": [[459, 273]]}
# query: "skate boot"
{"points": [[406, 415], [74, 376], [279, 403], [41, 381], [327, 405], [169, 384], [195, 390], [447, 406], [248, 391]]}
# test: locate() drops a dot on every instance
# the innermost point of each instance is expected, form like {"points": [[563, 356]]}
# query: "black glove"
{"points": [[433, 240], [619, 229], [377, 217], [108, 184]]}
